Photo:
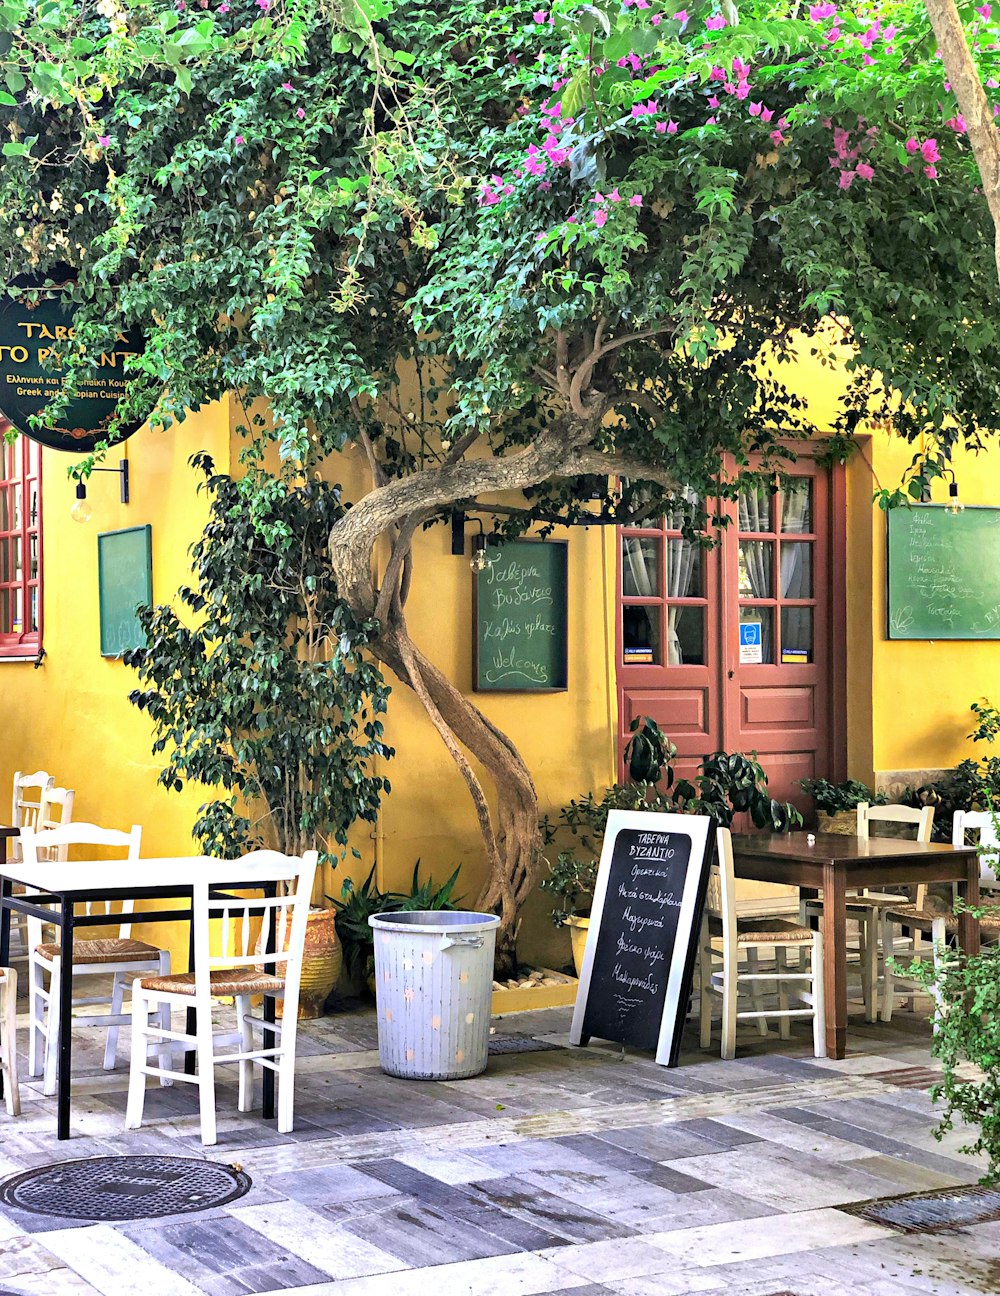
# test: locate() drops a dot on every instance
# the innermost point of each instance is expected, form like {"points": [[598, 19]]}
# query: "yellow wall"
{"points": [[72, 716], [907, 702]]}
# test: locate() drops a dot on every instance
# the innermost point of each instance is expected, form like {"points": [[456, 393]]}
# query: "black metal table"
{"points": [[56, 887]]}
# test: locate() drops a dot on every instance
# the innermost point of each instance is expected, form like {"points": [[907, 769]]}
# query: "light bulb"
{"points": [[81, 510], [954, 504], [479, 561]]}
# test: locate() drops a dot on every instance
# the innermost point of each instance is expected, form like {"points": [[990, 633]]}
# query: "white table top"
{"points": [[137, 876]]}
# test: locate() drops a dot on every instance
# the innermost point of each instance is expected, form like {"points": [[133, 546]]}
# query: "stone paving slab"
{"points": [[590, 1171]]}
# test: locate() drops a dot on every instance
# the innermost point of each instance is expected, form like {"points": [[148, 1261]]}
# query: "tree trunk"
{"points": [[512, 839], [975, 108]]}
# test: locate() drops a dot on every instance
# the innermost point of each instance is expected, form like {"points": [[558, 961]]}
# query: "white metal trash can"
{"points": [[434, 982]]}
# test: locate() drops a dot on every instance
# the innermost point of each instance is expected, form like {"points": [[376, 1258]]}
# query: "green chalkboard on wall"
{"points": [[520, 618], [943, 573], [125, 580]]}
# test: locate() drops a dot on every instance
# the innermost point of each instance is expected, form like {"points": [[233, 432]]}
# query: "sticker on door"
{"points": [[751, 644]]}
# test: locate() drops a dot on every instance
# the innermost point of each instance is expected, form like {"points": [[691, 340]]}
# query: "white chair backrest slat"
{"points": [[922, 818], [56, 810], [40, 846], [985, 824], [721, 899]]}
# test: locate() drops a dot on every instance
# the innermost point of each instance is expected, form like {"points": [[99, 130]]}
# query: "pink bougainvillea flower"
{"points": [[656, 19], [846, 179], [889, 32], [929, 151], [818, 12], [864, 171], [300, 113], [223, 8], [239, 140], [957, 124], [777, 137], [540, 16], [911, 145], [601, 217], [635, 200], [743, 90], [661, 128], [671, 128], [264, 5], [104, 140], [682, 16], [713, 101], [614, 195], [755, 109], [715, 23], [766, 114], [642, 4], [717, 74], [985, 11], [930, 172], [180, 6], [286, 85], [545, 184]]}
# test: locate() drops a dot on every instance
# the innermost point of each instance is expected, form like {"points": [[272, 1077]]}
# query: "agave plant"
{"points": [[357, 904]]}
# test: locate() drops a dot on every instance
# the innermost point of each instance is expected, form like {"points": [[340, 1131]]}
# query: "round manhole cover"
{"points": [[125, 1188]]}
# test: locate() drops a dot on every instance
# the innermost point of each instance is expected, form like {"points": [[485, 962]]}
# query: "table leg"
{"points": [[190, 1014], [270, 1005], [835, 960], [64, 1078], [968, 891]]}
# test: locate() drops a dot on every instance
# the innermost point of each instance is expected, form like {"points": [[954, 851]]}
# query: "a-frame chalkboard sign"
{"points": [[644, 931]]}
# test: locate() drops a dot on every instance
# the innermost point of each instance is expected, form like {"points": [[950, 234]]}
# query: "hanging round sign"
{"points": [[34, 339]]}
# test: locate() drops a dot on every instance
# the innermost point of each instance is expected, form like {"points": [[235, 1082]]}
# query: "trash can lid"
{"points": [[435, 922]]}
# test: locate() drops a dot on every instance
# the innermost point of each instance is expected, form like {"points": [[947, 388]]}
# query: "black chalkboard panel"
{"points": [[520, 618], [943, 573], [644, 931]]}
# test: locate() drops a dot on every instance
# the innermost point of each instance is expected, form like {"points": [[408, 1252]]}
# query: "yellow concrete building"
{"points": [[865, 703]]}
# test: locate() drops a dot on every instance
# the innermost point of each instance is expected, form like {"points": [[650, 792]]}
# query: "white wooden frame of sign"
{"points": [[700, 829]]}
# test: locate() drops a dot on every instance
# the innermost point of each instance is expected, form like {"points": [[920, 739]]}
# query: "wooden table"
{"points": [[55, 887], [836, 864]]}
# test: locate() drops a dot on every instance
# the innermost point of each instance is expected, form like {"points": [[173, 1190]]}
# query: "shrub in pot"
{"points": [[836, 803], [727, 784]]}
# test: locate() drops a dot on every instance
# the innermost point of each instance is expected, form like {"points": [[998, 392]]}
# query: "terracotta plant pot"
{"points": [[322, 959], [578, 936]]}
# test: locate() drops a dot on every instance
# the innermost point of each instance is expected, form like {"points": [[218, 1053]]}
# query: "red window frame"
{"points": [[20, 530]]}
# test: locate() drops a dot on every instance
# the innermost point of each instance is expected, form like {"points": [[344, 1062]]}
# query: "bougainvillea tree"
{"points": [[510, 248]]}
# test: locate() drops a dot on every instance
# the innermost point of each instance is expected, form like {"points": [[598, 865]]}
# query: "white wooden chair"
{"points": [[26, 803], [722, 974], [8, 1040], [864, 907], [55, 811], [930, 915], [240, 969], [116, 956]]}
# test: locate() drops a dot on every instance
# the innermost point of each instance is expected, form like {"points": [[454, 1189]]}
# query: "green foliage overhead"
{"points": [[261, 689]]}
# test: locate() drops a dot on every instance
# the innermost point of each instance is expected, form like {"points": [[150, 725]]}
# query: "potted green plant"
{"points": [[357, 904], [259, 689], [836, 803], [726, 785]]}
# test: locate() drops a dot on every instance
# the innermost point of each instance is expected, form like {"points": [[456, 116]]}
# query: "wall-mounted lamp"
{"points": [[81, 510], [954, 504], [480, 559]]}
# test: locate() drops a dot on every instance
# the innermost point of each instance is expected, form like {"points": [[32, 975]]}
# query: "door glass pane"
{"points": [[5, 626], [755, 504], [796, 505], [641, 567], [683, 569], [796, 635], [756, 636], [675, 517], [796, 570], [755, 569], [33, 622], [641, 636], [685, 636]]}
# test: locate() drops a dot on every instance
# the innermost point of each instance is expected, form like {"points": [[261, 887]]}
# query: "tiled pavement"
{"points": [[557, 1171]]}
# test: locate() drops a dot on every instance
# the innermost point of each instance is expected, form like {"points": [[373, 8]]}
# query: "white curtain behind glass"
{"points": [[754, 510]]}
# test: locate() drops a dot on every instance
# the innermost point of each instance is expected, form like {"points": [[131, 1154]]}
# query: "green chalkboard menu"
{"points": [[520, 618], [943, 573], [125, 580]]}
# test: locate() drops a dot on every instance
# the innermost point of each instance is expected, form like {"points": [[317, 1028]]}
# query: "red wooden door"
{"points": [[778, 692], [775, 571]]}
